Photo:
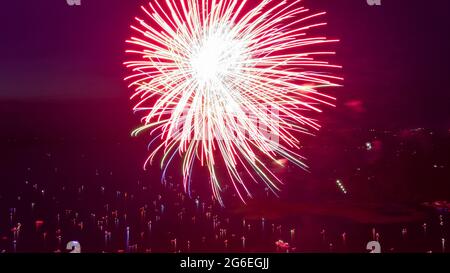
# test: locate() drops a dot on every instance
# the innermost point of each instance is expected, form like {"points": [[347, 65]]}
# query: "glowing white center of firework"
{"points": [[206, 63], [215, 57]]}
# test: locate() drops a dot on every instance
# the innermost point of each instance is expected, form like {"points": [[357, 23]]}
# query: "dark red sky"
{"points": [[395, 57]]}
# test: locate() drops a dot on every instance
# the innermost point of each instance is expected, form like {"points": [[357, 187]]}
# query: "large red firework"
{"points": [[218, 81]]}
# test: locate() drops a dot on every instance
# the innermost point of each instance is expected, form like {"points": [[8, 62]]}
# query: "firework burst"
{"points": [[218, 82]]}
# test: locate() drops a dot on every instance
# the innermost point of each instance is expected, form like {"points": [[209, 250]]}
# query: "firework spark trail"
{"points": [[218, 82]]}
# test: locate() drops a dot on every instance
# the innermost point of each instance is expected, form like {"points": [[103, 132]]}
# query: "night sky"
{"points": [[395, 56]]}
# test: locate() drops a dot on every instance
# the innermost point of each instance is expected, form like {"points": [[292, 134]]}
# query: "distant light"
{"points": [[341, 186], [369, 146]]}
